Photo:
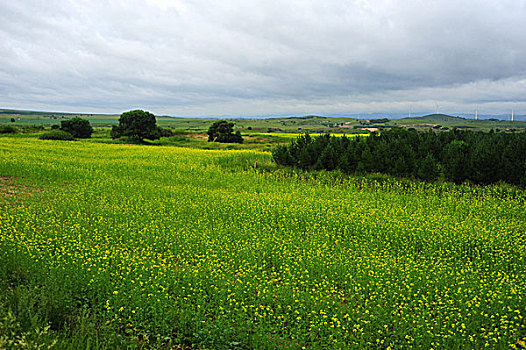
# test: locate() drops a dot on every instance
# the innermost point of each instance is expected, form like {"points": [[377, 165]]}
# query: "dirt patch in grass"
{"points": [[9, 188], [198, 136]]}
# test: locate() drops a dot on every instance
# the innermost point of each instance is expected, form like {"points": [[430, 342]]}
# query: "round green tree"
{"points": [[78, 127], [223, 131], [138, 125]]}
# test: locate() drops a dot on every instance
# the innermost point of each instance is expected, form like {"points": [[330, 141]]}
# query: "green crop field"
{"points": [[128, 246], [274, 125]]}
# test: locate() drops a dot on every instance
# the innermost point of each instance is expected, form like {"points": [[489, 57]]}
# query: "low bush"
{"points": [[164, 132], [57, 135], [7, 129]]}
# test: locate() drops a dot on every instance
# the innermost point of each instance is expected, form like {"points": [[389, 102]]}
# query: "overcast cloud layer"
{"points": [[197, 57]]}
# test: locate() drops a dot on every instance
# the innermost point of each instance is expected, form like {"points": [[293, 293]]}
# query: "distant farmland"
{"points": [[312, 123]]}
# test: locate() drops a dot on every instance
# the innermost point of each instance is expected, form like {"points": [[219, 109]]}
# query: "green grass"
{"points": [[182, 138], [283, 125], [114, 246]]}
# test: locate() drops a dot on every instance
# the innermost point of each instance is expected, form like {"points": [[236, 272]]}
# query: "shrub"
{"points": [[78, 127], [164, 132], [57, 135], [7, 129]]}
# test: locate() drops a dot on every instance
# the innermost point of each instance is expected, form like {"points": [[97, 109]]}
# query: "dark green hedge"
{"points": [[57, 135], [7, 129]]}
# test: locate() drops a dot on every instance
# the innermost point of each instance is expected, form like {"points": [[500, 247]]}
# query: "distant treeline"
{"points": [[457, 155]]}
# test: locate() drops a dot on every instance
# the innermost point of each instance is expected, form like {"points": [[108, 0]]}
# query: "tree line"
{"points": [[457, 155], [136, 125]]}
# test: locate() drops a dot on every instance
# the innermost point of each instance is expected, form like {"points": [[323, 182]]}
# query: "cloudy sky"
{"points": [[263, 57]]}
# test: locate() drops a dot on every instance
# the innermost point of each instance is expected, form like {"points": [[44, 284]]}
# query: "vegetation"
{"points": [[288, 125], [137, 125], [457, 156], [78, 127], [57, 135], [7, 129], [223, 131], [205, 252], [165, 132]]}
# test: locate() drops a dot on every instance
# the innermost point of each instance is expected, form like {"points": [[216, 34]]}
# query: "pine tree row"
{"points": [[456, 156]]}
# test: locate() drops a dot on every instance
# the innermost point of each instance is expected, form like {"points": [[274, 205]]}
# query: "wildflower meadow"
{"points": [[128, 246]]}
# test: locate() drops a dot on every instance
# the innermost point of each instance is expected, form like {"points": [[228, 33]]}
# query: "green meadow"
{"points": [[134, 246], [275, 125]]}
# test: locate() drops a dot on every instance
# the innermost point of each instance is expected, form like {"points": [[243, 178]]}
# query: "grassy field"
{"points": [[113, 246], [287, 125]]}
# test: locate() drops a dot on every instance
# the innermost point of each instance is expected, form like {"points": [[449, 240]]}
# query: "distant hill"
{"points": [[276, 124], [22, 112], [436, 118]]}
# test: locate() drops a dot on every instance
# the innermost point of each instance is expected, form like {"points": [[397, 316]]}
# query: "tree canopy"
{"points": [[223, 131], [457, 156], [136, 124], [77, 127]]}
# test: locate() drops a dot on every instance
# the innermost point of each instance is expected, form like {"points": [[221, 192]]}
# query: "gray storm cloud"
{"points": [[263, 57]]}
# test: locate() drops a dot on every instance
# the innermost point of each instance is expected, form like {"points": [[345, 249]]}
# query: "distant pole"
{"points": [[512, 115], [437, 105], [477, 113]]}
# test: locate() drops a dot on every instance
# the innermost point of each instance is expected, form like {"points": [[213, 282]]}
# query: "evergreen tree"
{"points": [[455, 163], [428, 168], [456, 156]]}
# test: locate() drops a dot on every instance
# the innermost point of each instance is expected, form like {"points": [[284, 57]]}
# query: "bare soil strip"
{"points": [[8, 188]]}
